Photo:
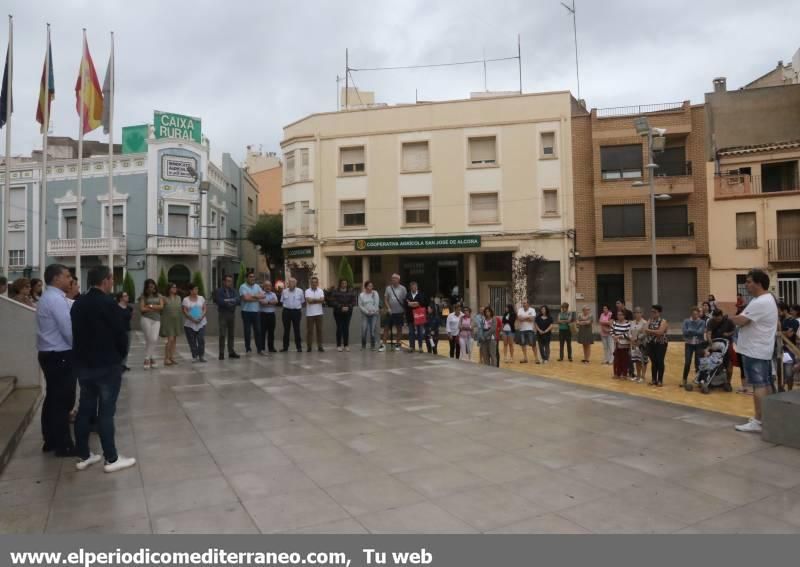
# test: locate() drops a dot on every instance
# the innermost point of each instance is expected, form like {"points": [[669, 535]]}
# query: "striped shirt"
{"points": [[621, 330]]}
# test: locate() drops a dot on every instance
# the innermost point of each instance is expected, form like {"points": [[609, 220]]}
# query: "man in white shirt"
{"points": [[755, 345], [315, 297], [292, 299], [527, 337]]}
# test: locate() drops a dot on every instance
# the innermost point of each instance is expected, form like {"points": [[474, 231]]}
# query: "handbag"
{"points": [[420, 315]]}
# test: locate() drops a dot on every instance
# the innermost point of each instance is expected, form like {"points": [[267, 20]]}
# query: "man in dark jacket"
{"points": [[227, 298], [100, 344]]}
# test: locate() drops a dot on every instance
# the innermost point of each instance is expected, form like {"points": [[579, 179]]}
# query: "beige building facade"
{"points": [[754, 207], [445, 193]]}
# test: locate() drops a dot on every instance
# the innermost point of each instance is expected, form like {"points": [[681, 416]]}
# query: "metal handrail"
{"points": [[617, 111]]}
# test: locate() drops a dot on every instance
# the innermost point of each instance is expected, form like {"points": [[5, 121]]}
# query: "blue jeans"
{"points": [[369, 328], [252, 320], [757, 372], [99, 392], [416, 332], [197, 341]]}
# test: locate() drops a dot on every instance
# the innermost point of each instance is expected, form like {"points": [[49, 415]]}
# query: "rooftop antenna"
{"points": [[571, 10], [485, 88]]}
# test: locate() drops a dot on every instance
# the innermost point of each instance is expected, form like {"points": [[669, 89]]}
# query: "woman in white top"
{"points": [[194, 324], [370, 305], [452, 326]]}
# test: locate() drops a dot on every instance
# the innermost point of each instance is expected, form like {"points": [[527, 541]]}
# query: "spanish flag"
{"points": [[47, 89], [88, 92]]}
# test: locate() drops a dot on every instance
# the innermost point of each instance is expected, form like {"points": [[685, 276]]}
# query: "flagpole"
{"points": [[110, 102], [80, 163], [43, 184], [5, 261]]}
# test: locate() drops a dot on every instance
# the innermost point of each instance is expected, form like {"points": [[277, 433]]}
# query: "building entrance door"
{"points": [[610, 288], [436, 276]]}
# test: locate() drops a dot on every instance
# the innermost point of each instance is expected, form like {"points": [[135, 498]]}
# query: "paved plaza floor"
{"points": [[392, 442]]}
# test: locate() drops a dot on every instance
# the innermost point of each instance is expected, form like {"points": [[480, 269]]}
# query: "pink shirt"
{"points": [[605, 317]]}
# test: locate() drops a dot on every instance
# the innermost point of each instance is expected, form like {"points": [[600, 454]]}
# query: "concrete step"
{"points": [[7, 385], [16, 412]]}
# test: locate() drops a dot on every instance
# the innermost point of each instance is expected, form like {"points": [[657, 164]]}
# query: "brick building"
{"points": [[612, 216]]}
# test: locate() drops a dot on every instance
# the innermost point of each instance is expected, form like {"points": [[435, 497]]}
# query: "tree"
{"points": [[129, 287], [268, 234], [242, 275], [197, 280], [526, 274], [162, 283], [344, 272]]}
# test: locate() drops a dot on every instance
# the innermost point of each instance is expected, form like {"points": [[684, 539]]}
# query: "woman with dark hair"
{"points": [[151, 304], [171, 323], [544, 332], [21, 291], [36, 290], [712, 301], [194, 323], [369, 302], [606, 319], [486, 324], [343, 300], [585, 338], [127, 314], [657, 341], [509, 323], [566, 319]]}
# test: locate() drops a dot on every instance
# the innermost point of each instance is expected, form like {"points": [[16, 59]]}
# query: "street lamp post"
{"points": [[655, 141]]}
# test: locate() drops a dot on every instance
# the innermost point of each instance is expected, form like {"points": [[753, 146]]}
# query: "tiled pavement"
{"points": [[366, 442]]}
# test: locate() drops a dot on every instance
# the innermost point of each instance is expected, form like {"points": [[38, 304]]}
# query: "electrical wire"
{"points": [[432, 65]]}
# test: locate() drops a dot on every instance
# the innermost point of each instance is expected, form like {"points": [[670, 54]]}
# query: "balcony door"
{"points": [[788, 234], [178, 221]]}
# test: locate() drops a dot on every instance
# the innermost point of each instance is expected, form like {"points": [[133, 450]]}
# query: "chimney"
{"points": [[720, 85]]}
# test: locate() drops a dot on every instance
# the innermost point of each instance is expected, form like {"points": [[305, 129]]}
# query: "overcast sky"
{"points": [[247, 68]]}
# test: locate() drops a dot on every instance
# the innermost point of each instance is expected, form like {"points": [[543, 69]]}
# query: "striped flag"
{"points": [[5, 93], [47, 90], [90, 96]]}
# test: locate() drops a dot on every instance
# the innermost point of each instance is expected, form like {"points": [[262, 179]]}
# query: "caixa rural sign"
{"points": [[169, 125]]}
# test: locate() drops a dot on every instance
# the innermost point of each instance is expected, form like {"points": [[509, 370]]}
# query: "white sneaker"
{"points": [[339, 348], [752, 426], [382, 348], [119, 464], [146, 364], [86, 463], [347, 349], [153, 364]]}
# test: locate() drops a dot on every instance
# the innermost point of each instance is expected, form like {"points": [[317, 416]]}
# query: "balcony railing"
{"points": [[740, 185], [674, 169], [784, 250], [618, 111], [89, 246], [187, 246]]}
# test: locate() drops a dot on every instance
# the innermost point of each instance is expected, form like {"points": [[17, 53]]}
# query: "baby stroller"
{"points": [[712, 372]]}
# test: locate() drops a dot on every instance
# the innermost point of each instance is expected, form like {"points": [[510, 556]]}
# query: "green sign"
{"points": [[304, 252], [422, 242], [168, 125], [134, 139]]}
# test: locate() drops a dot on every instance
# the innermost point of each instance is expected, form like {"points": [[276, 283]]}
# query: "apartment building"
{"points": [[613, 208], [445, 193], [161, 218], [753, 148]]}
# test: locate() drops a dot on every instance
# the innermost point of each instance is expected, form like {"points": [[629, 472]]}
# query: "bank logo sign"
{"points": [[417, 243], [169, 125]]}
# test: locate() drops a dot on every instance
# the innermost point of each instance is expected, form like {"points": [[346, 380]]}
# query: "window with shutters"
{"points": [[621, 162], [18, 210], [673, 221], [416, 157], [178, 221], [550, 202], [746, 236], [483, 208], [69, 223], [288, 157], [118, 220], [304, 165], [250, 206], [483, 151], [352, 160], [417, 210], [354, 213], [547, 145], [289, 226], [623, 221]]}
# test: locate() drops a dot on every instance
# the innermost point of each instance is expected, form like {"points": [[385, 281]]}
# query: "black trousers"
{"points": [[251, 321], [227, 320], [455, 346], [59, 399], [564, 338], [268, 330], [658, 351], [342, 319], [291, 318]]}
